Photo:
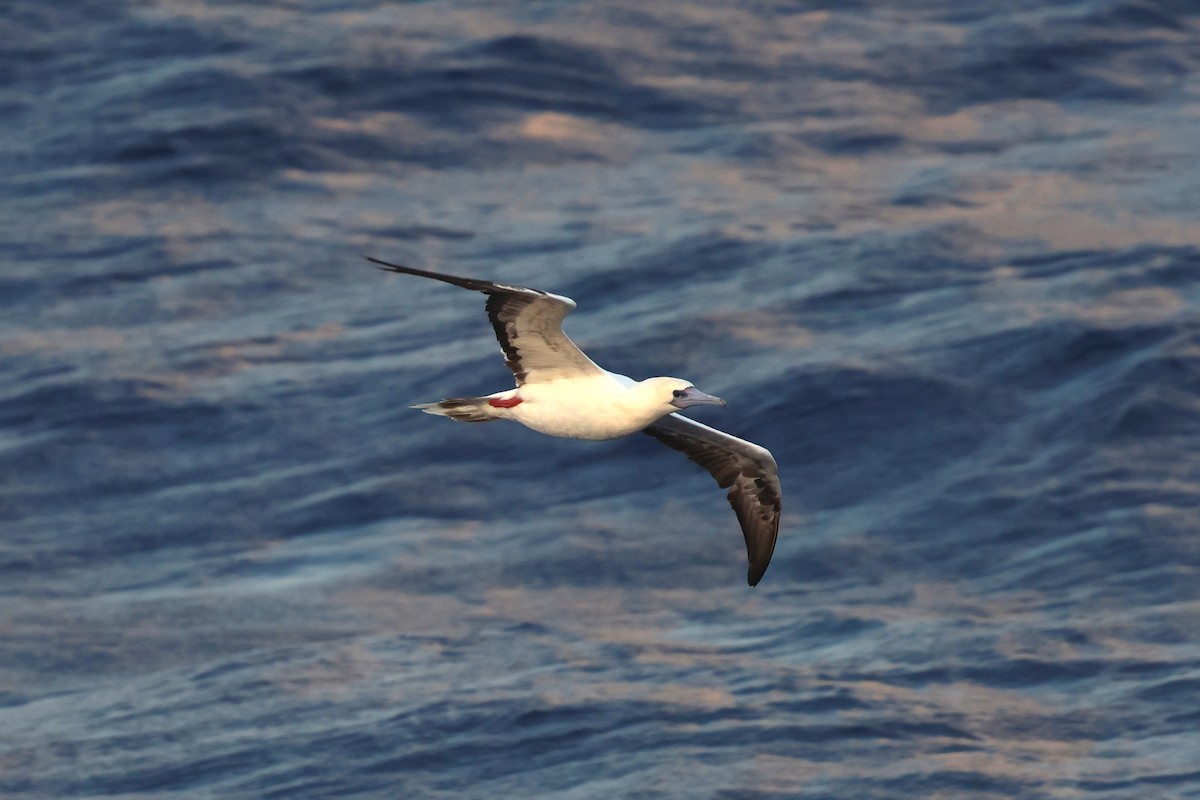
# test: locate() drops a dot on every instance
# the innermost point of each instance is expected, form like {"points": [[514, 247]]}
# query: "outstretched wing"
{"points": [[747, 470], [528, 325]]}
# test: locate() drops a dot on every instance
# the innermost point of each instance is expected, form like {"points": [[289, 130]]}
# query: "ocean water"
{"points": [[940, 257]]}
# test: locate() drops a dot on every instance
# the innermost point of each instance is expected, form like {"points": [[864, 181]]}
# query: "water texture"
{"points": [[940, 257]]}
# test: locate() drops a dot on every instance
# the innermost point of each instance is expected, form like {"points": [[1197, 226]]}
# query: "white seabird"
{"points": [[562, 392]]}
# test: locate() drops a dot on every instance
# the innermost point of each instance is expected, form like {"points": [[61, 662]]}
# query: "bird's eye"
{"points": [[677, 393]]}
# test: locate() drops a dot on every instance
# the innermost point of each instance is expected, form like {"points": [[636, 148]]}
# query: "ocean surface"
{"points": [[942, 258]]}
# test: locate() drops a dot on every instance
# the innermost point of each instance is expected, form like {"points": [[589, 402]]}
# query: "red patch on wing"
{"points": [[502, 402]]}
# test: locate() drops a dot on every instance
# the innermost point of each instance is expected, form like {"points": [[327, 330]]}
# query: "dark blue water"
{"points": [[942, 258]]}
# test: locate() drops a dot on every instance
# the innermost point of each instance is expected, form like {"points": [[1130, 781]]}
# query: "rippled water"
{"points": [[940, 257]]}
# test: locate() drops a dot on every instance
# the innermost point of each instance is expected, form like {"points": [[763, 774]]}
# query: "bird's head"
{"points": [[676, 393]]}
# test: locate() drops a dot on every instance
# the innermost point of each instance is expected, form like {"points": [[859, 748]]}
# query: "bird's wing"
{"points": [[528, 325], [747, 470]]}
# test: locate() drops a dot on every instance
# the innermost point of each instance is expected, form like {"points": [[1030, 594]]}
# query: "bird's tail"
{"points": [[461, 409]]}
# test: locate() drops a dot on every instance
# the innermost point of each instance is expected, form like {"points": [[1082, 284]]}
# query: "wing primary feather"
{"points": [[466, 283], [747, 470], [527, 323]]}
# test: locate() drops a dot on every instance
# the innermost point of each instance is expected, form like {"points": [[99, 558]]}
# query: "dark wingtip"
{"points": [[383, 265]]}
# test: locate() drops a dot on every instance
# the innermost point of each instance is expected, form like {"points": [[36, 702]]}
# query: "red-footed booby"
{"points": [[561, 392]]}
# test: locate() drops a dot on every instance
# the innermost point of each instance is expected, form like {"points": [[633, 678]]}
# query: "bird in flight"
{"points": [[561, 392]]}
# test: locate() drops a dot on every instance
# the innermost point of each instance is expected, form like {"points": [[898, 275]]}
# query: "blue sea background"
{"points": [[940, 257]]}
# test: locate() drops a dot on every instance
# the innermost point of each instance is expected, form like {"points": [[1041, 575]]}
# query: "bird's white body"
{"points": [[599, 406], [593, 405]]}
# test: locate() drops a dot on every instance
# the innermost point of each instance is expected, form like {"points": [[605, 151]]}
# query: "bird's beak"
{"points": [[694, 397]]}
